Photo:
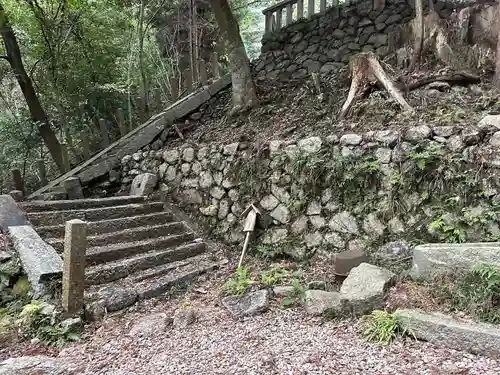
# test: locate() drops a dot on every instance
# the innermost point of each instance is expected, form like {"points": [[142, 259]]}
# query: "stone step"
{"points": [[93, 214], [107, 226], [126, 235], [109, 253], [78, 204], [111, 271], [125, 292], [156, 281]]}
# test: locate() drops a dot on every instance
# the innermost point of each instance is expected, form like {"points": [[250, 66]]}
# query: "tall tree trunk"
{"points": [[418, 33], [38, 115], [244, 94], [496, 78]]}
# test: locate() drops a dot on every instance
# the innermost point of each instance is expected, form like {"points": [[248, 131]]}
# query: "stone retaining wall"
{"points": [[356, 190], [321, 42]]}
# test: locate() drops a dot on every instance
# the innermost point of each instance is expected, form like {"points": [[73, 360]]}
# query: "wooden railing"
{"points": [[290, 11]]}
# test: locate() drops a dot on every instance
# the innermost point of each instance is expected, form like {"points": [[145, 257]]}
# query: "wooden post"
{"points": [[120, 118], [279, 14], [322, 6], [310, 8], [85, 142], [157, 98], [188, 81], [17, 179], [202, 69], [142, 108], [103, 129], [289, 14], [300, 9], [65, 158], [42, 171], [269, 20], [174, 88], [75, 248], [214, 61]]}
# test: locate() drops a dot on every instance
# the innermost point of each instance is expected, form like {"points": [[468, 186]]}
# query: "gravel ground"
{"points": [[277, 342]]}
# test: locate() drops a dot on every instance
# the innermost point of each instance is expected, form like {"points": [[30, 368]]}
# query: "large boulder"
{"points": [[30, 365], [365, 288], [435, 258]]}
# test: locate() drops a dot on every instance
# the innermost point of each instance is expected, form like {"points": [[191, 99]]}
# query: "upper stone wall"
{"points": [[320, 42]]}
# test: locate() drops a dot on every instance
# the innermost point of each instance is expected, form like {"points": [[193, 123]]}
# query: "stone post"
{"points": [[85, 144], [120, 118], [65, 157], [174, 88], [202, 69], [42, 171], [75, 247], [17, 179], [214, 61], [73, 188], [103, 129]]}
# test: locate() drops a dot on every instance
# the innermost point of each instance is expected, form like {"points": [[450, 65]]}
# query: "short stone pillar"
{"points": [[73, 188], [75, 247]]}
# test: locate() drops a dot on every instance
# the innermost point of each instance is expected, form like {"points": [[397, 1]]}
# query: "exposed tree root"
{"points": [[458, 78], [365, 68]]}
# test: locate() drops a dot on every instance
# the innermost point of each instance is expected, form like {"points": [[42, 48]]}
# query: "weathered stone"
{"points": [[455, 143], [434, 258], [351, 139], [126, 159], [148, 325], [335, 240], [280, 193], [383, 155], [34, 365], [317, 221], [495, 139], [269, 202], [143, 184], [313, 239], [111, 297], [188, 154], [445, 331], [231, 149], [274, 236], [299, 226], [395, 250], [170, 174], [248, 305], [40, 261], [217, 192], [171, 156], [234, 195], [346, 260], [10, 213], [223, 209], [202, 153], [373, 226], [319, 302], [184, 317], [17, 195], [185, 168], [211, 210], [344, 222], [471, 135], [283, 290], [228, 183], [5, 256], [75, 248], [281, 213], [314, 208], [206, 180], [310, 145], [192, 196], [396, 226], [137, 156], [489, 123], [365, 288], [418, 133]]}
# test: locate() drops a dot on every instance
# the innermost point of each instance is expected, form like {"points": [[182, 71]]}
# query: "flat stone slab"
{"points": [[149, 324], [443, 330], [434, 258], [365, 288], [31, 365], [10, 213], [247, 305], [318, 302], [40, 261]]}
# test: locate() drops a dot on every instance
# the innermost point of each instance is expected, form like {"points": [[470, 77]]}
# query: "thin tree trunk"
{"points": [[144, 85], [243, 91], [418, 30], [37, 112]]}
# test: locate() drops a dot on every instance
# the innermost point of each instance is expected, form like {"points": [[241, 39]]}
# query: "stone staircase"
{"points": [[136, 250]]}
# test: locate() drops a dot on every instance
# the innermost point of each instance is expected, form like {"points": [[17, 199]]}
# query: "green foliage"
{"points": [[476, 292], [382, 327], [275, 275], [298, 292], [239, 282], [273, 251]]}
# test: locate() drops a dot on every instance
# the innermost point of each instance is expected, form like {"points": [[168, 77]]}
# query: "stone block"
{"points": [[73, 188], [10, 213], [318, 302], [443, 330], [347, 260], [39, 260], [435, 258], [143, 184], [17, 195], [75, 248], [365, 288], [247, 305]]}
